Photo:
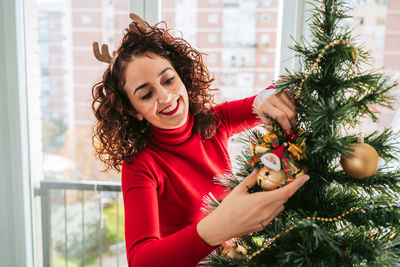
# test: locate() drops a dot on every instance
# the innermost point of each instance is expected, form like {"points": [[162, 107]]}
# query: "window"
{"points": [[266, 3], [67, 60], [265, 39], [264, 59], [360, 2], [212, 38], [212, 58], [380, 32], [86, 19], [236, 36], [382, 2], [59, 35], [230, 1], [263, 78], [212, 18], [265, 18]]}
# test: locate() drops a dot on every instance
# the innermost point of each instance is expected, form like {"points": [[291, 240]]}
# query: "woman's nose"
{"points": [[164, 95]]}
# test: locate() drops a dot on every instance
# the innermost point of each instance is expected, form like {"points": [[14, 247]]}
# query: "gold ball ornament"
{"points": [[363, 163], [268, 179]]}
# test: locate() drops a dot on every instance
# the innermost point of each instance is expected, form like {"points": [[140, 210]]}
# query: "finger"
{"points": [[290, 95], [291, 114], [276, 212], [289, 102], [280, 116], [249, 181], [285, 192], [269, 219], [265, 120]]}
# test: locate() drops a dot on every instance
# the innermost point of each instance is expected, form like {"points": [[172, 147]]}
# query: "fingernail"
{"points": [[307, 177]]}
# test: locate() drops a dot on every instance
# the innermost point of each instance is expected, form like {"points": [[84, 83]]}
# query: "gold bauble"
{"points": [[363, 163], [269, 179]]}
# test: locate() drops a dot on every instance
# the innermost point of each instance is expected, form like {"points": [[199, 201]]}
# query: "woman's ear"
{"points": [[135, 114], [139, 116]]}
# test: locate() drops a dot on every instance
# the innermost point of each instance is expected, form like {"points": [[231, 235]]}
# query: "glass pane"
{"points": [[377, 23], [61, 72], [238, 36]]}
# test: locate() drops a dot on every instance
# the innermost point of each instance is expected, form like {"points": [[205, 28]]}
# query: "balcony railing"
{"points": [[59, 196]]}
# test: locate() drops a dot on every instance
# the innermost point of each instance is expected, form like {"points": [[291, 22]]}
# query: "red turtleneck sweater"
{"points": [[164, 184]]}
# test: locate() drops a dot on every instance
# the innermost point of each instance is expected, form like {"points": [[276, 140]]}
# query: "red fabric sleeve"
{"points": [[145, 247], [238, 116]]}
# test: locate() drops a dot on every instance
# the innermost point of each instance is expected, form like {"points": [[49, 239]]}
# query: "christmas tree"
{"points": [[348, 213]]}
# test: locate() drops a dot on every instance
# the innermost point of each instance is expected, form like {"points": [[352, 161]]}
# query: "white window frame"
{"points": [[149, 10], [291, 25], [16, 192]]}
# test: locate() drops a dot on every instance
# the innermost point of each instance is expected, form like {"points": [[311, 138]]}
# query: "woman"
{"points": [[157, 123]]}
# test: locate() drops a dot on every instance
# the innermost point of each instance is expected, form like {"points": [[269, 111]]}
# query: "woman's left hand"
{"points": [[279, 107]]}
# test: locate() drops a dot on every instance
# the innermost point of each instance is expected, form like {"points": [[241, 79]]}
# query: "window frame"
{"points": [[16, 192], [292, 17], [149, 10]]}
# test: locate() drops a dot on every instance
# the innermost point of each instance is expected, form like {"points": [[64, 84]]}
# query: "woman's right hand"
{"points": [[241, 213]]}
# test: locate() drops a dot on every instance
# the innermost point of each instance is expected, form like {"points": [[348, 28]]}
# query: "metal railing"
{"points": [[98, 187]]}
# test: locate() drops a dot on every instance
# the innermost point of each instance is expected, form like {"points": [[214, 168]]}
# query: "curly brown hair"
{"points": [[117, 134]]}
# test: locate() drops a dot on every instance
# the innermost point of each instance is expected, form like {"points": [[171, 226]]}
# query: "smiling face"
{"points": [[156, 91]]}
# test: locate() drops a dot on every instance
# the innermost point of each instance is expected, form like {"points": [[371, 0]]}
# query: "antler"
{"points": [[104, 56], [141, 24]]}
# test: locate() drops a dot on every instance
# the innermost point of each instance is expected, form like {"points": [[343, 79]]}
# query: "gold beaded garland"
{"points": [[291, 228], [354, 55], [371, 237]]}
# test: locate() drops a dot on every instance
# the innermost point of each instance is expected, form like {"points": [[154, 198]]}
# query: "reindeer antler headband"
{"points": [[137, 25]]}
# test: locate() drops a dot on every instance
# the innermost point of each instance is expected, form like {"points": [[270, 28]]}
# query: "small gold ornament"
{"points": [[296, 150], [257, 149], [252, 148], [363, 163], [268, 136], [295, 170], [269, 179], [234, 251], [260, 149]]}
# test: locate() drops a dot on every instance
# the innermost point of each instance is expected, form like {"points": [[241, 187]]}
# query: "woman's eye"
{"points": [[169, 80], [147, 96]]}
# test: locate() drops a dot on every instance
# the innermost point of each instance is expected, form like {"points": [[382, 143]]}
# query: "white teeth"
{"points": [[169, 109]]}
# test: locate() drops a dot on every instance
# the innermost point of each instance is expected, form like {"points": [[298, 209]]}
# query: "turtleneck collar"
{"points": [[174, 136]]}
